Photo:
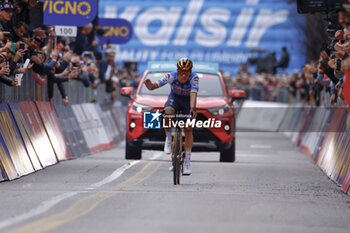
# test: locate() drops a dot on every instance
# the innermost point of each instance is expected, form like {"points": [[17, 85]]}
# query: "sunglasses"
{"points": [[181, 72]]}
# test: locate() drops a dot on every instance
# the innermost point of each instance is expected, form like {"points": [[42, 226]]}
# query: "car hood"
{"points": [[159, 101]]}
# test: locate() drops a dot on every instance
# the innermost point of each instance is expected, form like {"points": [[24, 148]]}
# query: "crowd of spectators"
{"points": [[310, 87], [55, 60], [320, 82]]}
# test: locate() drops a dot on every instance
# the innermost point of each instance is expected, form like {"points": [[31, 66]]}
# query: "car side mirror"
{"points": [[237, 95], [126, 91]]}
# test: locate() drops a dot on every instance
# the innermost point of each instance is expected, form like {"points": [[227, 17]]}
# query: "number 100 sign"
{"points": [[69, 31]]}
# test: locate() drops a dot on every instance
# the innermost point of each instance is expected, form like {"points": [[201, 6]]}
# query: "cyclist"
{"points": [[183, 96]]}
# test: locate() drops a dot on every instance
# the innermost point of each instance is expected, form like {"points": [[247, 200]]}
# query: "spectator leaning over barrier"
{"points": [[82, 71], [108, 73], [5, 72], [90, 68], [58, 71]]}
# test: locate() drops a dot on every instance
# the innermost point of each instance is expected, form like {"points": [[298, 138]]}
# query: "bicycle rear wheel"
{"points": [[176, 156]]}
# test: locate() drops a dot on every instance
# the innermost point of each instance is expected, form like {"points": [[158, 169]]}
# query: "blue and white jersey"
{"points": [[177, 88]]}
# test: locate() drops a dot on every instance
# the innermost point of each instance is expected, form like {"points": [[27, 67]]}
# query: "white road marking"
{"points": [[255, 146], [42, 208], [48, 204], [116, 174]]}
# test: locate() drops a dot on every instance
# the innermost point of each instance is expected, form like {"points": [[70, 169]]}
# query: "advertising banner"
{"points": [[225, 32], [71, 130], [69, 12], [67, 130], [86, 128], [119, 117], [13, 141], [298, 123], [117, 31], [39, 138], [26, 134], [110, 129], [346, 184], [6, 162], [326, 158], [83, 148], [112, 126], [3, 175], [324, 126], [341, 153], [53, 130], [315, 130], [99, 132]]}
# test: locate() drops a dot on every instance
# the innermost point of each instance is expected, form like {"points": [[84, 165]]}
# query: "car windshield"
{"points": [[209, 85]]}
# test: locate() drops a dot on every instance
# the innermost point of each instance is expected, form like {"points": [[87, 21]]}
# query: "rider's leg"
{"points": [[168, 111], [188, 148]]}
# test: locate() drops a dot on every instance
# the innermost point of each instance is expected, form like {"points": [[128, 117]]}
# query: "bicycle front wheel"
{"points": [[176, 156]]}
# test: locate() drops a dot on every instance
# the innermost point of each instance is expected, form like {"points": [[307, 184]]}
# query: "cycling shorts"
{"points": [[179, 103]]}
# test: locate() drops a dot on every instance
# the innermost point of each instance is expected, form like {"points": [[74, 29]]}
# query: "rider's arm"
{"points": [[151, 86], [194, 90], [166, 79], [193, 101]]}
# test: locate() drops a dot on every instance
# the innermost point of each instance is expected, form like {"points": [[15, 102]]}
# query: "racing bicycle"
{"points": [[177, 154]]}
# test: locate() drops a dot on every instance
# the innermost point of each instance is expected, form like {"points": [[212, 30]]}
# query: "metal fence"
{"points": [[31, 91], [282, 95]]}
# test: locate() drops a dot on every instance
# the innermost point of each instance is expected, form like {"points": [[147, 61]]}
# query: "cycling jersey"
{"points": [[177, 88]]}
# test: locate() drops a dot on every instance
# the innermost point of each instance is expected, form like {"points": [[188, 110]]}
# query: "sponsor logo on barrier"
{"points": [[69, 12], [153, 120]]}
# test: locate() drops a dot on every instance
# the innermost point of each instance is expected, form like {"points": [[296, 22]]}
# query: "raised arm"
{"points": [[151, 86]]}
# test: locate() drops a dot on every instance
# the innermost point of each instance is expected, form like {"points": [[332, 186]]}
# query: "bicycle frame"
{"points": [[177, 155]]}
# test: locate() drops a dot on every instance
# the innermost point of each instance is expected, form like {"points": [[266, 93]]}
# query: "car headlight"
{"points": [[141, 108], [219, 110]]}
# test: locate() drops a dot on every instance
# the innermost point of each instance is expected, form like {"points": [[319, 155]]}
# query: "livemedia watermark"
{"points": [[155, 120]]}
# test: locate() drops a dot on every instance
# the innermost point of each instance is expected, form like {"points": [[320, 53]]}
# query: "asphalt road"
{"points": [[272, 187]]}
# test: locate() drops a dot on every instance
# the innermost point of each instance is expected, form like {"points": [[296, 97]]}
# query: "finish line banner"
{"points": [[69, 12], [208, 30]]}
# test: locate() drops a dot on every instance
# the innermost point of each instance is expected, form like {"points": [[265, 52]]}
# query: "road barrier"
{"points": [[261, 116], [72, 131], [97, 128], [324, 135], [18, 161], [26, 135], [53, 130], [33, 135], [37, 134]]}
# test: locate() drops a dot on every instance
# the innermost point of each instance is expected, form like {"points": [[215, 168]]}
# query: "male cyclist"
{"points": [[183, 96]]}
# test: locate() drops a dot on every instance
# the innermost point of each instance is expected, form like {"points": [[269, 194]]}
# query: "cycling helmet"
{"points": [[184, 64]]}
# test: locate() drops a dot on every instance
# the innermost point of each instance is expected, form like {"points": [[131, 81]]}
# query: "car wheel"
{"points": [[132, 151], [229, 154]]}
